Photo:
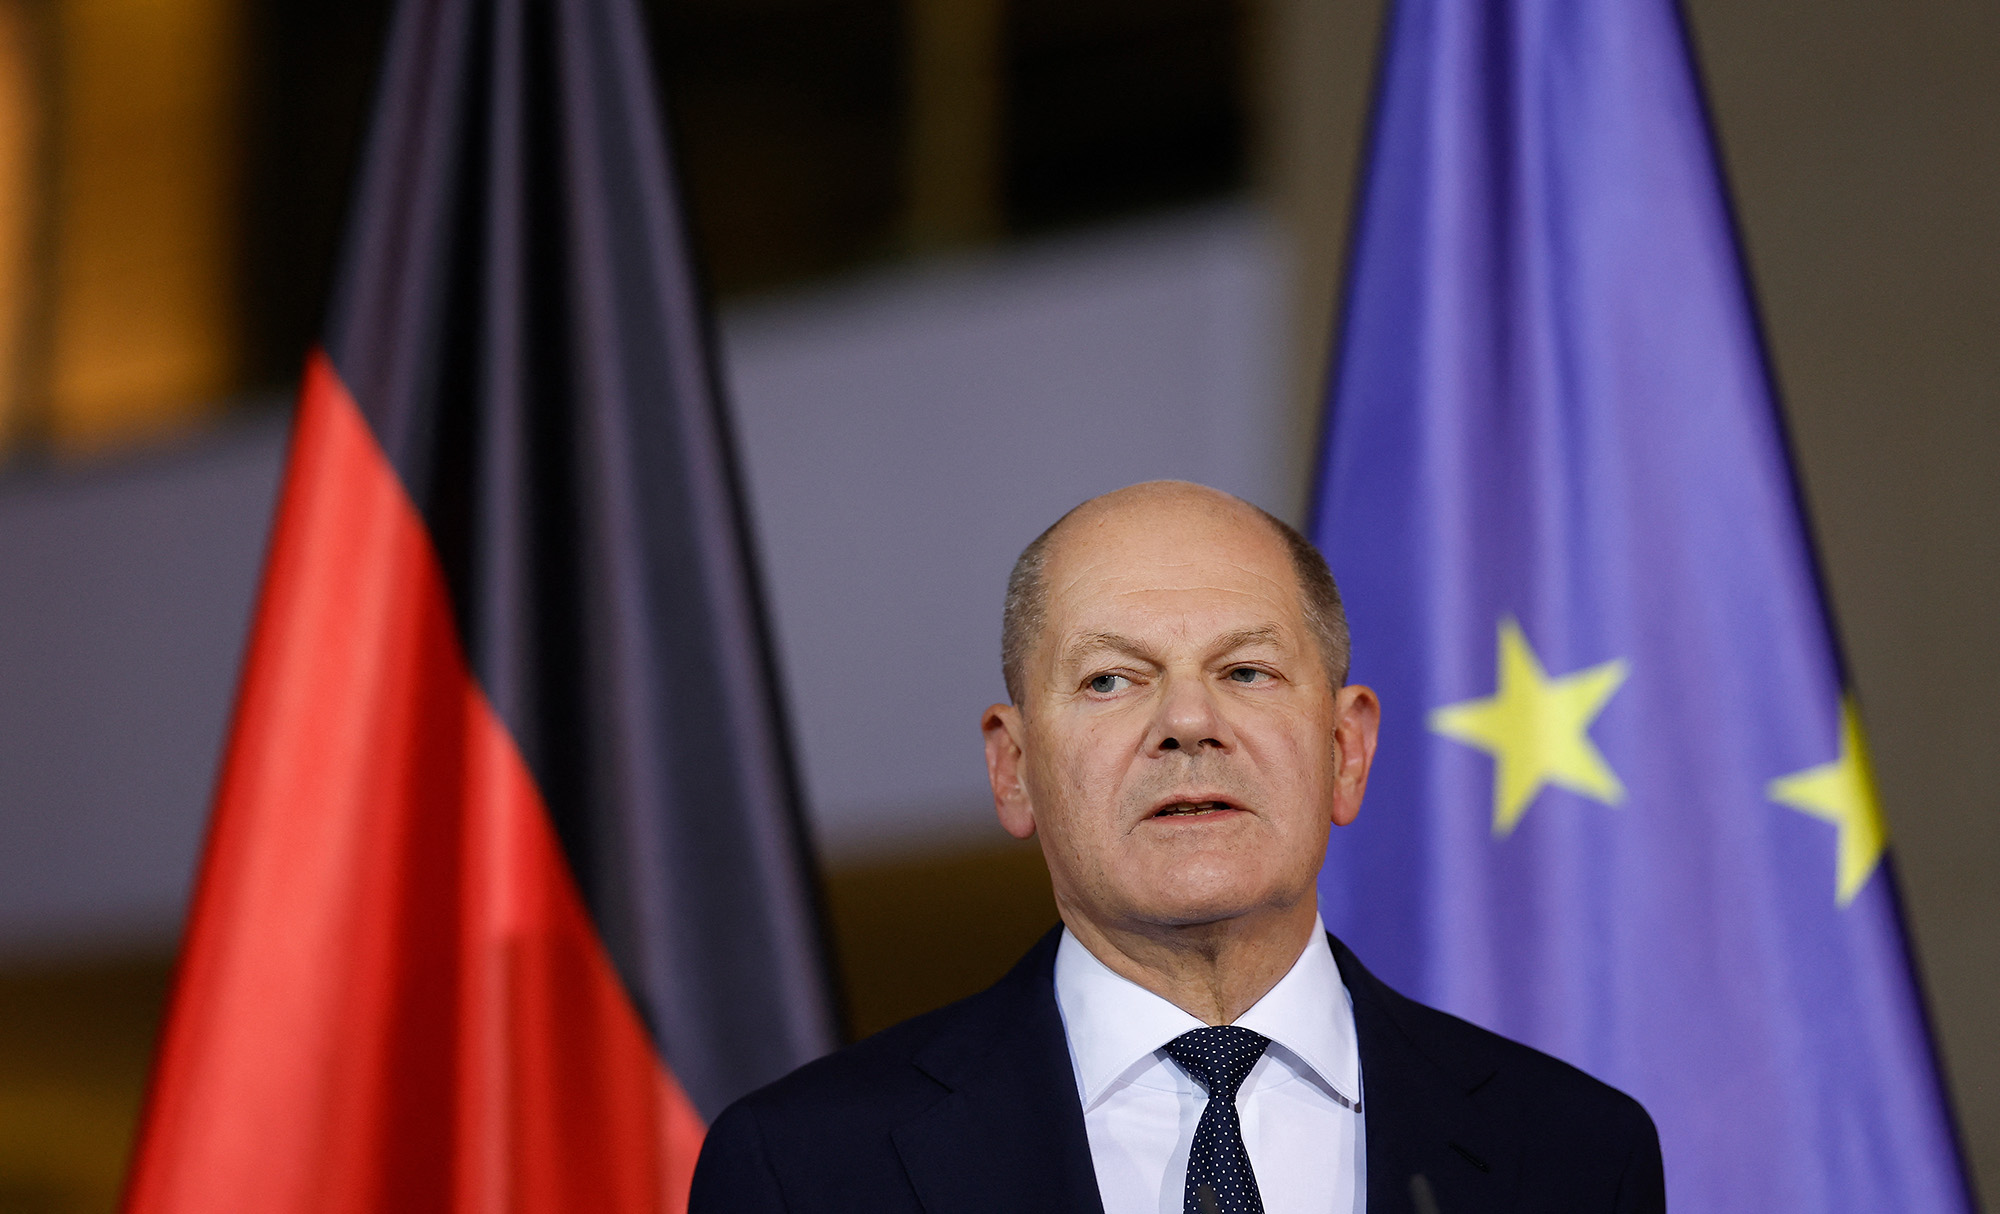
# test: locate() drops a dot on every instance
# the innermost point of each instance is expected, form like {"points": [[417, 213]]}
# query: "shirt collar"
{"points": [[1113, 1023]]}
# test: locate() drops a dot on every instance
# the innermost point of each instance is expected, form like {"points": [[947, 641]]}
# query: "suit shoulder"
{"points": [[1550, 1099], [1585, 1143], [827, 1128], [883, 1074], [878, 1070], [881, 1078], [1573, 1115], [1521, 1073]]}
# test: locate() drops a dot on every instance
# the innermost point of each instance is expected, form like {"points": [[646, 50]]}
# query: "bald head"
{"points": [[1146, 521]]}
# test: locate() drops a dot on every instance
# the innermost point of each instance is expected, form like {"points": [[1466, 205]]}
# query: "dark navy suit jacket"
{"points": [[974, 1108]]}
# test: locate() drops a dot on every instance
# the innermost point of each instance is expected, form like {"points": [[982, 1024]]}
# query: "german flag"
{"points": [[506, 891]]}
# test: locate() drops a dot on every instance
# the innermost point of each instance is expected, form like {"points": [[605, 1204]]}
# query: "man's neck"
{"points": [[1214, 972]]}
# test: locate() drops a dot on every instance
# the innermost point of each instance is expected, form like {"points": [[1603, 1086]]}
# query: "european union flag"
{"points": [[1623, 810]]}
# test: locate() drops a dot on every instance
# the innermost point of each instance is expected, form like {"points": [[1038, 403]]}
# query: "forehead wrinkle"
{"points": [[1121, 575], [1273, 627]]}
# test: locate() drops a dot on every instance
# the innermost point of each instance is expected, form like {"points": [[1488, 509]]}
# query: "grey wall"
{"points": [[124, 595]]}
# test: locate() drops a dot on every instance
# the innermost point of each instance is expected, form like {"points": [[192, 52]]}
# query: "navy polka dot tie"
{"points": [[1219, 1180]]}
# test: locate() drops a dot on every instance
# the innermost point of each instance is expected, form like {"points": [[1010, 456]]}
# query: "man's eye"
{"points": [[1105, 684], [1249, 674]]}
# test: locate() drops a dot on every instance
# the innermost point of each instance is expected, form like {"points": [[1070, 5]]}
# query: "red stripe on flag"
{"points": [[390, 996]]}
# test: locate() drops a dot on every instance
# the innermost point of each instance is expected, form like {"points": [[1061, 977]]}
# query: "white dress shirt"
{"points": [[1300, 1105]]}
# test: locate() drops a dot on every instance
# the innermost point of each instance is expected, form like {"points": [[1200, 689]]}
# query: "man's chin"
{"points": [[1189, 908], [1195, 920]]}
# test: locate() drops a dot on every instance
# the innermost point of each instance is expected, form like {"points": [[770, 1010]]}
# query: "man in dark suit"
{"points": [[1181, 738]]}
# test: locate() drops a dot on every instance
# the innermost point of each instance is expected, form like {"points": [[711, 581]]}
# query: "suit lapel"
{"points": [[1420, 1116], [1009, 1134]]}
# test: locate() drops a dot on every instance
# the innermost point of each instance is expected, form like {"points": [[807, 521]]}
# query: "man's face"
{"points": [[1180, 748]]}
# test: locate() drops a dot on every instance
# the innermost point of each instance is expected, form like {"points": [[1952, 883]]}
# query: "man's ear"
{"points": [[1005, 738], [1357, 720]]}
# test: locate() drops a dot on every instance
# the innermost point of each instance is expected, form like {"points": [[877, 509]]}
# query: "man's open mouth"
{"points": [[1185, 809]]}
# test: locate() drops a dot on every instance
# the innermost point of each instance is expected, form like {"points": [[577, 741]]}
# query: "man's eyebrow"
{"points": [[1091, 642], [1243, 638]]}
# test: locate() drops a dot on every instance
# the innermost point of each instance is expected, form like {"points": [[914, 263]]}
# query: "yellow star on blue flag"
{"points": [[1843, 793], [1536, 729]]}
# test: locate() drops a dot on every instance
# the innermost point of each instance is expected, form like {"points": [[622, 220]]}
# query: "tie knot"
{"points": [[1220, 1056]]}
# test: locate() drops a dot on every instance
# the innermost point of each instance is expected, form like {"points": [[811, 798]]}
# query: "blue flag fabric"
{"points": [[1622, 809]]}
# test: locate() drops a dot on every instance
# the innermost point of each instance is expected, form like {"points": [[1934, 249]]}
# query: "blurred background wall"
{"points": [[974, 260]]}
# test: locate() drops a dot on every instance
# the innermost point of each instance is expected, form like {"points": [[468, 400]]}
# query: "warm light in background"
{"points": [[141, 331], [22, 209], [956, 48]]}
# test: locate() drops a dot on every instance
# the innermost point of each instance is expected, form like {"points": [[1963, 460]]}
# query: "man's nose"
{"points": [[1190, 719]]}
